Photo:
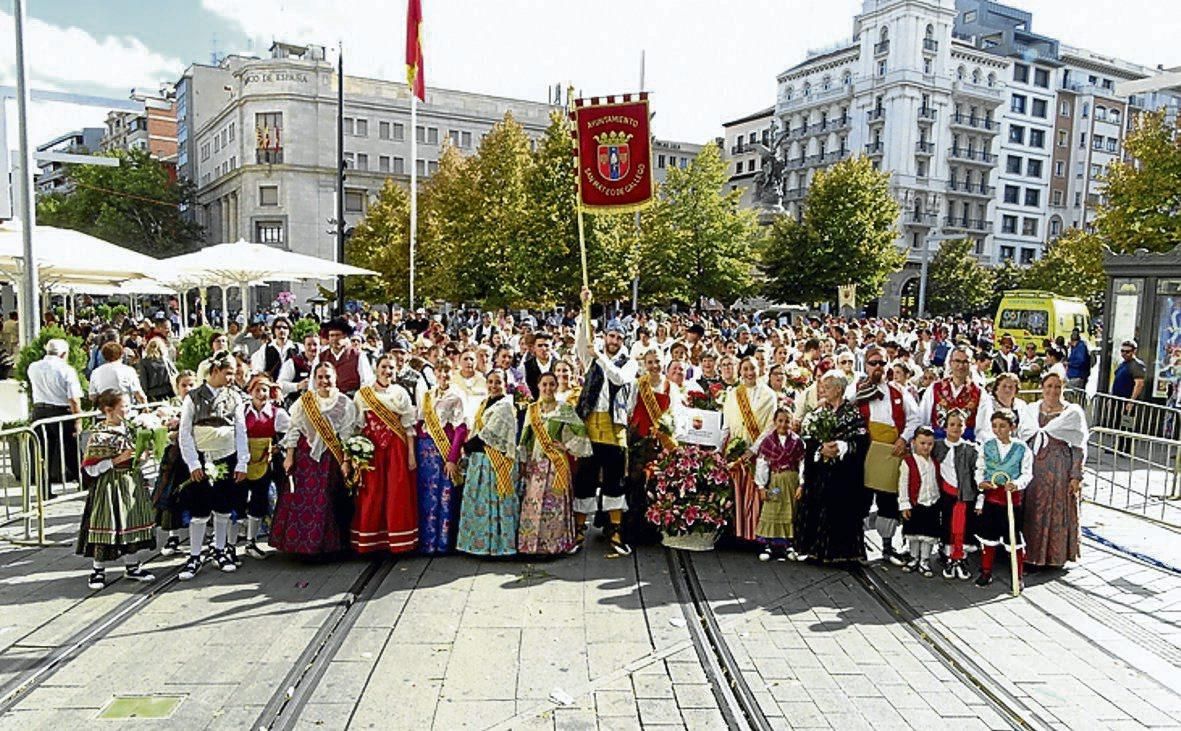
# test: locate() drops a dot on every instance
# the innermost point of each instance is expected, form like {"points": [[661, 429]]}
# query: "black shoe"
{"points": [[253, 551], [98, 579], [232, 552], [984, 579], [190, 569], [135, 572], [224, 562], [171, 546], [894, 557], [618, 544]]}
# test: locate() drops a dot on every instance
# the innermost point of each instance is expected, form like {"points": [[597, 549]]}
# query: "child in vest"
{"points": [[957, 469], [266, 422], [918, 501], [777, 475], [1004, 465]]}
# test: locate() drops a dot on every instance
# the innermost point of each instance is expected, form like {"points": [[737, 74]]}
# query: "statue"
{"points": [[770, 179]]}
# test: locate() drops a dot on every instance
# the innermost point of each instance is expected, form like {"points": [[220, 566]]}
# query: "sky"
{"points": [[706, 61]]}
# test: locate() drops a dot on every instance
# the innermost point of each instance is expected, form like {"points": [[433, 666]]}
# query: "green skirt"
{"points": [[118, 518], [778, 510]]}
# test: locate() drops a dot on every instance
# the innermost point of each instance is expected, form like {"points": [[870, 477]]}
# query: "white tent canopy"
{"points": [[65, 256]]}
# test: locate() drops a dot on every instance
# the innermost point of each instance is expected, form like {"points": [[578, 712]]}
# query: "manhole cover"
{"points": [[141, 706]]}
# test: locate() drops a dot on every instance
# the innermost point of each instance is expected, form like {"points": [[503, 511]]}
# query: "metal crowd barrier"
{"points": [[25, 457]]}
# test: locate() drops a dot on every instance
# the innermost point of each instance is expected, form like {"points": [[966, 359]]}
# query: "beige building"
{"points": [[743, 142]]}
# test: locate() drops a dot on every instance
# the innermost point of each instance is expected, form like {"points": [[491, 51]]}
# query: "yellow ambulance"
{"points": [[1031, 316]]}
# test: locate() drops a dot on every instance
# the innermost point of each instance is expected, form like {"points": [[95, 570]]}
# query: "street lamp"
{"points": [[932, 237]]}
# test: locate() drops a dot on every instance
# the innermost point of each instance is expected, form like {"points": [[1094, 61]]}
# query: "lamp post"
{"points": [[933, 237]]}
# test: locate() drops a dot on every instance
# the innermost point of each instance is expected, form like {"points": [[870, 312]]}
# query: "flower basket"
{"points": [[696, 541], [690, 498]]}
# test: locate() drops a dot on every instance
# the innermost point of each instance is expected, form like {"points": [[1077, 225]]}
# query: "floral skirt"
{"points": [[487, 521], [547, 517], [438, 501], [308, 519]]}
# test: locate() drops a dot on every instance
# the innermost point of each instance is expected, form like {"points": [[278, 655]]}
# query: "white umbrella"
{"points": [[65, 256]]}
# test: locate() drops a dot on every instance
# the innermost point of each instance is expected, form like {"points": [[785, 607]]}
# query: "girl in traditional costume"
{"points": [[314, 509], [777, 475], [441, 434], [266, 423], [1004, 465], [173, 473], [488, 515], [117, 519], [387, 499], [552, 437]]}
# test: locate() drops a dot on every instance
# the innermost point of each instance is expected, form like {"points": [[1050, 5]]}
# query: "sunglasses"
{"points": [[875, 362]]}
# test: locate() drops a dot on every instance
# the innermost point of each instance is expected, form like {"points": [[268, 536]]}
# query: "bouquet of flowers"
{"points": [[149, 429], [285, 299], [707, 401], [691, 492], [360, 451], [735, 448], [797, 376], [820, 424], [522, 396]]}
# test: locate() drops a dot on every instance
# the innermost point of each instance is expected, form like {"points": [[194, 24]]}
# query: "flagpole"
{"points": [[413, 186], [639, 230]]}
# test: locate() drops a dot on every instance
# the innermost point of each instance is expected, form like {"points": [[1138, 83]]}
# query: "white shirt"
{"points": [[881, 410], [115, 377], [258, 360], [54, 381], [617, 376], [928, 484], [187, 440], [947, 466]]}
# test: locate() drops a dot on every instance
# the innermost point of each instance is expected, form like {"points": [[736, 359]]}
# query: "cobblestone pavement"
{"points": [[598, 642]]}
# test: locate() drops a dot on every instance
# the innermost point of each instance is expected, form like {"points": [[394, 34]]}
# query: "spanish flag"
{"points": [[414, 70]]}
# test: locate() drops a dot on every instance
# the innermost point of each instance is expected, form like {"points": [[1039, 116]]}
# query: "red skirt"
{"points": [[747, 505], [386, 517]]}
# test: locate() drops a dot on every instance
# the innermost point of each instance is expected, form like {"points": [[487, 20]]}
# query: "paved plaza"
{"points": [[592, 641]]}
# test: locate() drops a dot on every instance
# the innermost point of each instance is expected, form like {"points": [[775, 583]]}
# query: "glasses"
{"points": [[1125, 350], [961, 361], [875, 362]]}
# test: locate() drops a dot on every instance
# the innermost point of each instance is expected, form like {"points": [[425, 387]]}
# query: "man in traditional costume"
{"points": [[269, 359], [295, 372], [603, 406], [352, 369], [956, 391], [891, 415]]}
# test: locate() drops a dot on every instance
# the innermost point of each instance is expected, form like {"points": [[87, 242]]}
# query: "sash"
{"points": [[749, 422], [655, 414], [434, 427], [389, 418], [550, 447], [501, 464], [260, 454], [322, 426]]}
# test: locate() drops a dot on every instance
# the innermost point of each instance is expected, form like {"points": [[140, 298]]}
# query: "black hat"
{"points": [[338, 324]]}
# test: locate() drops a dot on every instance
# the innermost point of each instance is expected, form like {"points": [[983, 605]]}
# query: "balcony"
{"points": [[958, 223], [993, 94], [876, 116], [927, 114], [974, 189], [875, 148], [930, 45], [922, 147], [977, 123], [918, 218], [835, 156], [816, 97], [972, 156], [795, 163], [838, 123], [801, 131], [880, 48], [794, 194]]}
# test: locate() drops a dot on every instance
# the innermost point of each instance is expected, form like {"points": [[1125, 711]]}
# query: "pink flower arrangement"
{"points": [[690, 491]]}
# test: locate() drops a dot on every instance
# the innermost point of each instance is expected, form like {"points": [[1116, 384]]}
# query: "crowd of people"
{"points": [[491, 435]]}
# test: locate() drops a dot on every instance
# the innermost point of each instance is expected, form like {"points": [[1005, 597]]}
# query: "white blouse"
{"points": [[337, 408]]}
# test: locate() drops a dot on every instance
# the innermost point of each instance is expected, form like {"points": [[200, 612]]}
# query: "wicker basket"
{"points": [[695, 541]]}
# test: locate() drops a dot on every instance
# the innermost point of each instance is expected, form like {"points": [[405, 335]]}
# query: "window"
{"points": [[268, 127], [1007, 253], [1056, 198], [1112, 144], [921, 169], [1037, 138], [349, 126], [1062, 140], [737, 168], [420, 167], [927, 69], [1018, 104], [231, 131], [1012, 193], [350, 160], [1033, 197], [1096, 170], [1113, 115], [1078, 199], [362, 127], [1009, 224], [420, 134], [383, 163], [1097, 142], [1013, 164], [882, 67], [432, 135], [1041, 77], [1055, 227], [465, 140], [453, 135], [268, 232], [399, 131], [399, 166], [1079, 167], [204, 152], [1033, 168], [354, 201], [216, 143], [383, 130], [1086, 110], [1063, 108], [432, 167], [1017, 134], [225, 137], [268, 195], [362, 161], [1100, 113], [1021, 73], [1029, 227], [660, 162], [1039, 108], [1060, 169], [1082, 141], [1027, 258]]}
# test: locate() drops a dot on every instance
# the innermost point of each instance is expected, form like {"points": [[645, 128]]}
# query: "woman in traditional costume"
{"points": [[1052, 498], [829, 525], [488, 514], [314, 509], [117, 519], [748, 410], [552, 437], [173, 473], [387, 496], [441, 434]]}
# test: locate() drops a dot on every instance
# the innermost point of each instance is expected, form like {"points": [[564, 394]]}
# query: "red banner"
{"points": [[614, 152]]}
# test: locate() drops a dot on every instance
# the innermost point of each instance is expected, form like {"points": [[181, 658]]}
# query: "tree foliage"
{"points": [[1143, 196], [1072, 266], [136, 204], [194, 348], [847, 236], [381, 242], [1006, 276], [957, 283]]}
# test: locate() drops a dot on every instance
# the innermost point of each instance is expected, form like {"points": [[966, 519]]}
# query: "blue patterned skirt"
{"points": [[438, 501], [487, 521]]}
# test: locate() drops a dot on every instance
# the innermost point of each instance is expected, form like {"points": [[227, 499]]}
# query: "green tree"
{"points": [[697, 241], [1072, 266], [194, 348], [1143, 196], [136, 204], [381, 242], [1006, 276], [847, 236], [448, 219], [957, 283]]}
